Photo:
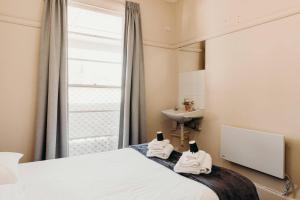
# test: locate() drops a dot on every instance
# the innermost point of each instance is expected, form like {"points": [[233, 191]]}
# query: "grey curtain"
{"points": [[132, 120], [52, 116]]}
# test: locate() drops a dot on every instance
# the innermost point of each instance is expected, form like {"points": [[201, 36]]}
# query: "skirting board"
{"points": [[266, 193]]}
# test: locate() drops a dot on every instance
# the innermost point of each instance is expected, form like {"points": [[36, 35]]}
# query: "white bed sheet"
{"points": [[117, 175]]}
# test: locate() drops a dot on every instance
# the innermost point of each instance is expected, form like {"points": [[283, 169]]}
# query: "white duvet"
{"points": [[117, 175]]}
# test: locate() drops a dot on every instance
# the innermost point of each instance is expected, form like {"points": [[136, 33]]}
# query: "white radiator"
{"points": [[258, 150]]}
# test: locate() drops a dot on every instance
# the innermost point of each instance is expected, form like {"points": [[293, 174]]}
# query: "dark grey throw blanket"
{"points": [[227, 184]]}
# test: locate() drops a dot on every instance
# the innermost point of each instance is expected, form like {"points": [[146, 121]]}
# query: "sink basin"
{"points": [[182, 116]]}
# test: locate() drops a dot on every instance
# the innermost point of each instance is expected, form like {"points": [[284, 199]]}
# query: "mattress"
{"points": [[117, 175]]}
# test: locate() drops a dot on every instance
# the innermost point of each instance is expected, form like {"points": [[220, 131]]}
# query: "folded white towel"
{"points": [[164, 153], [204, 167], [189, 159], [191, 156], [158, 145]]}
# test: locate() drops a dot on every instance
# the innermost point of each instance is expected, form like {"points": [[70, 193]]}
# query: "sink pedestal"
{"points": [[181, 134], [180, 139], [183, 118]]}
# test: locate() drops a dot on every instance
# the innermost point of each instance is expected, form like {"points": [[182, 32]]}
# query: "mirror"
{"points": [[191, 57]]}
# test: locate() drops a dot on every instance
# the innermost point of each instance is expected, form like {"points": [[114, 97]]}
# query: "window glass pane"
{"points": [[93, 124], [94, 73], [86, 47], [94, 99], [95, 23], [92, 145], [85, 54]]}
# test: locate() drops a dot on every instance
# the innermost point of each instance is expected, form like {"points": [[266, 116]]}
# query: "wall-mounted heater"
{"points": [[258, 150]]}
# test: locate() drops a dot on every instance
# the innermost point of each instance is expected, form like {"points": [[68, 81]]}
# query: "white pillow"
{"points": [[9, 167]]}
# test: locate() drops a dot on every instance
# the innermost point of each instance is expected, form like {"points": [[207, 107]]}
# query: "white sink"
{"points": [[182, 116]]}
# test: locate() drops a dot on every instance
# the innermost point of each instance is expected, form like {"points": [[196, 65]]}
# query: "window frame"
{"points": [[70, 85]]}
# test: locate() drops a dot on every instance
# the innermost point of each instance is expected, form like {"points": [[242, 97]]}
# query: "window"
{"points": [[95, 70]]}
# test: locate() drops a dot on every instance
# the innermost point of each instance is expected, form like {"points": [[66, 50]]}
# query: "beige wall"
{"points": [[198, 19], [252, 83], [18, 75], [17, 87], [251, 75], [19, 39], [160, 62], [158, 21], [161, 87]]}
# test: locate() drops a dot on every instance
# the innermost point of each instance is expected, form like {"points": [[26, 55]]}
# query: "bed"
{"points": [[125, 174]]}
